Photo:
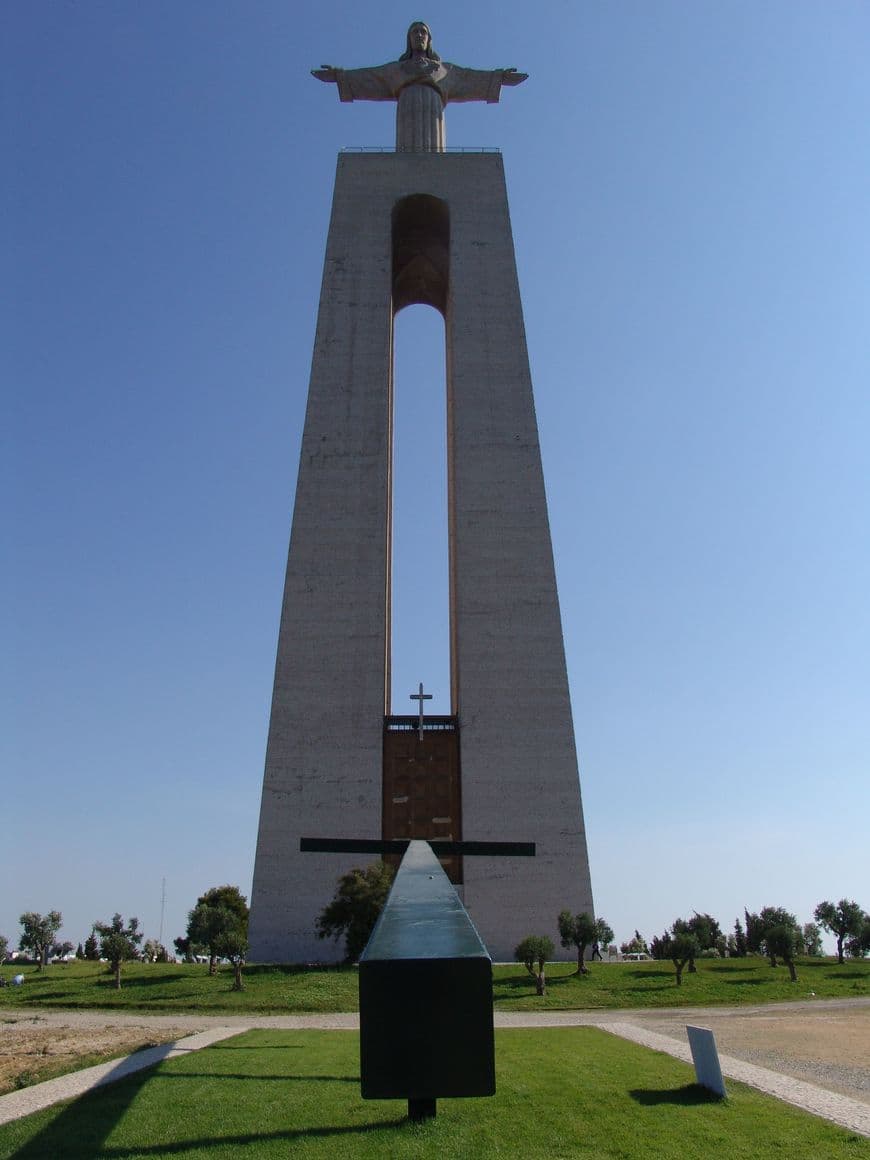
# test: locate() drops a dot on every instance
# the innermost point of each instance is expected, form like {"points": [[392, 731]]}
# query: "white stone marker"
{"points": [[706, 1059]]}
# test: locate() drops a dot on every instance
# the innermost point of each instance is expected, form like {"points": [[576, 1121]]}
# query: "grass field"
{"points": [[174, 987], [561, 1093]]}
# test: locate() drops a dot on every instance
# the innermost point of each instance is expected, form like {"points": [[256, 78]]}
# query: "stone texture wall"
{"points": [[323, 763]]}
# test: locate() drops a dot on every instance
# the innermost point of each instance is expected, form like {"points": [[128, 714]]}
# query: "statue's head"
{"points": [[419, 39]]}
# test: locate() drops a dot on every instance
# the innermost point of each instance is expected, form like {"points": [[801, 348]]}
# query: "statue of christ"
{"points": [[421, 84]]}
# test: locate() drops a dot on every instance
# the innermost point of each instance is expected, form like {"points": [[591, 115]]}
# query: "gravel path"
{"points": [[815, 1054]]}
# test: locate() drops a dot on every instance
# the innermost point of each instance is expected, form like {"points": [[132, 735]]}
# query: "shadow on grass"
{"points": [[139, 981], [688, 1096], [287, 1077], [748, 982], [81, 1128], [55, 1143], [651, 974], [653, 987], [254, 1047], [732, 970], [848, 975], [252, 969]]}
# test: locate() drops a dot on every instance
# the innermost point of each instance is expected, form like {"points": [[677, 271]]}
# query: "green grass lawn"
{"points": [[176, 988], [573, 1092]]}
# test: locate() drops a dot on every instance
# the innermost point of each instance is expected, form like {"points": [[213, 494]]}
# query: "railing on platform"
{"points": [[393, 149], [434, 724]]}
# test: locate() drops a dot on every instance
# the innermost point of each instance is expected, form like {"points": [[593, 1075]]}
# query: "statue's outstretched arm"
{"points": [[473, 84], [380, 83]]}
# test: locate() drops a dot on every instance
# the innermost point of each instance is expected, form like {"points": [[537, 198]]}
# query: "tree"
{"points": [[784, 942], [681, 927], [634, 946], [843, 921], [37, 934], [757, 926], [60, 950], [577, 930], [811, 939], [80, 951], [92, 948], [119, 943], [660, 946], [706, 930], [683, 948], [233, 945], [220, 910], [859, 945], [603, 934], [154, 951], [739, 947], [183, 948], [358, 900], [4, 947], [533, 952]]}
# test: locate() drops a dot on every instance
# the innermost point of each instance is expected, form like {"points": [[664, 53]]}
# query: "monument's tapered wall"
{"points": [[519, 777]]}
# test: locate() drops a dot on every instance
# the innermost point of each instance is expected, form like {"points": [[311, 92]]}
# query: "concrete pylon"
{"points": [[409, 228]]}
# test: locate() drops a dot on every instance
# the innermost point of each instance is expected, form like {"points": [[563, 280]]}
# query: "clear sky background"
{"points": [[689, 186]]}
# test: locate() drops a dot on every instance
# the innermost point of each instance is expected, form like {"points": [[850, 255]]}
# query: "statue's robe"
{"points": [[421, 88]]}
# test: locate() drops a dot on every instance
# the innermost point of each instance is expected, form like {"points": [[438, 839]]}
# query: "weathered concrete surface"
{"points": [[323, 763]]}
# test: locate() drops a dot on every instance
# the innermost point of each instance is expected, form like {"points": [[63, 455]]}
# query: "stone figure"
{"points": [[421, 84]]}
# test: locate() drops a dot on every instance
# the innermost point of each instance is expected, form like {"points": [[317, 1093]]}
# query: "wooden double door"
{"points": [[421, 784]]}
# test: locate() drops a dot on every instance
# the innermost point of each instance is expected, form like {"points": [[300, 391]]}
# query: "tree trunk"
{"points": [[679, 974], [540, 984], [840, 958], [238, 985], [693, 970], [212, 965], [117, 967], [582, 969], [792, 972]]}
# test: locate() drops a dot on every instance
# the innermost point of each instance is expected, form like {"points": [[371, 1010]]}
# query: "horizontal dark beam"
{"points": [[400, 845]]}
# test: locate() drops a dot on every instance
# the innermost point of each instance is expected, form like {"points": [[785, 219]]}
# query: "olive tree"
{"points": [[582, 931], [221, 911], [843, 920], [859, 945], [533, 952], [682, 948], [119, 943], [784, 942], [37, 934], [757, 926]]}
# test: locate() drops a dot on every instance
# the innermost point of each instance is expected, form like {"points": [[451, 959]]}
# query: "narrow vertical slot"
{"points": [[420, 604]]}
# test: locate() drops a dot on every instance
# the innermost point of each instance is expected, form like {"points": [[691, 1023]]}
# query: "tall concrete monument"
{"points": [[420, 225]]}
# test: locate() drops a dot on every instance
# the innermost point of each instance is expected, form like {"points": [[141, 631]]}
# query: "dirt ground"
{"points": [[31, 1050], [827, 1046]]}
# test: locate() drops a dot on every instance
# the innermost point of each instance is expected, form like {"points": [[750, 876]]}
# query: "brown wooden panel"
{"points": [[421, 785]]}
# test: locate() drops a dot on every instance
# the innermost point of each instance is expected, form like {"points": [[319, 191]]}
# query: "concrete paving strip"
{"points": [[840, 1109], [76, 1083]]}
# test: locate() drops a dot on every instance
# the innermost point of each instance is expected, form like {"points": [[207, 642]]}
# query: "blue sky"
{"points": [[689, 186]]}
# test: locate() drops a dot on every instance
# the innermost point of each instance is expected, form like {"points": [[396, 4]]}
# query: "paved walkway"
{"points": [[850, 1113]]}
